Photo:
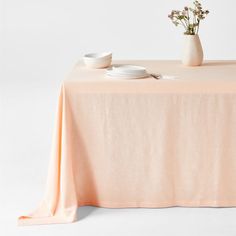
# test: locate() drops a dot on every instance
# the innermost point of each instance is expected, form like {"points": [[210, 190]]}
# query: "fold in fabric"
{"points": [[60, 203]]}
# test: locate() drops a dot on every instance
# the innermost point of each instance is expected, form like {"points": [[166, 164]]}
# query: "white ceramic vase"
{"points": [[192, 53]]}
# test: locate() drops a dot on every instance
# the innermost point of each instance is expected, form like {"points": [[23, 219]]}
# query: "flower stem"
{"points": [[185, 26], [194, 20], [198, 26]]}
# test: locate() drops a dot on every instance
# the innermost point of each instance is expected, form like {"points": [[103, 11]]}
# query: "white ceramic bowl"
{"points": [[98, 60]]}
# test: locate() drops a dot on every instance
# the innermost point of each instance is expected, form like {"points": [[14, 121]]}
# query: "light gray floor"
{"points": [[28, 97]]}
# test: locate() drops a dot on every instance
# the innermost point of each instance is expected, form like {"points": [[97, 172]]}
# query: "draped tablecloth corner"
{"points": [[60, 202]]}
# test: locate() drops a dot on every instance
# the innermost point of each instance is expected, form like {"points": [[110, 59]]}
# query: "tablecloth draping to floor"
{"points": [[142, 143]]}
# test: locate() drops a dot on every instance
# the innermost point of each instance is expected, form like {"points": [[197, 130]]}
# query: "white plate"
{"points": [[115, 74], [129, 69]]}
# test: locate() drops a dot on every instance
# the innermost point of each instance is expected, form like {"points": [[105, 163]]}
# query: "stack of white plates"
{"points": [[127, 72]]}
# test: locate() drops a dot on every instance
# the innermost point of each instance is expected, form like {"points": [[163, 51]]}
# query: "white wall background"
{"points": [[40, 40], [50, 35]]}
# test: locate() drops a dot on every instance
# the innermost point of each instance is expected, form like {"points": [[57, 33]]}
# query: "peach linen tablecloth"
{"points": [[143, 143]]}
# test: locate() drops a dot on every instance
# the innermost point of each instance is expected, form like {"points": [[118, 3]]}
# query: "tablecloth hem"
{"points": [[45, 220], [160, 204], [34, 220]]}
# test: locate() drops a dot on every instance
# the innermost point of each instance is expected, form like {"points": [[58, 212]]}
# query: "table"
{"points": [[142, 143]]}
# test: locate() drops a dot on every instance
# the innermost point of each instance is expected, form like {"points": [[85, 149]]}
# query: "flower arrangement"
{"points": [[189, 18]]}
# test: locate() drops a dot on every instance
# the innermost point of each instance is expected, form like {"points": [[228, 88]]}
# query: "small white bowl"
{"points": [[98, 60]]}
